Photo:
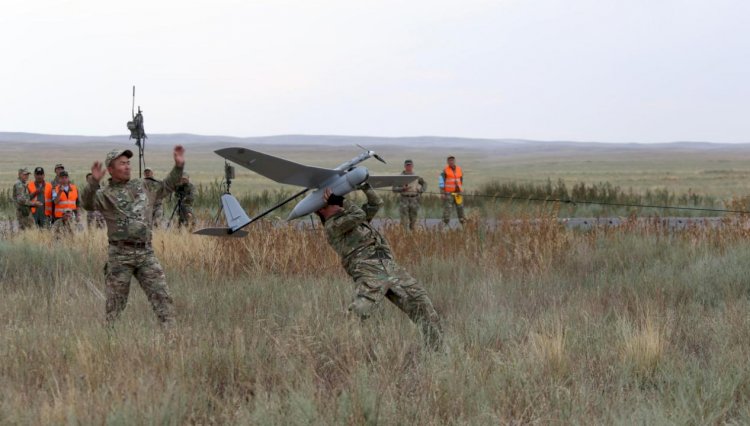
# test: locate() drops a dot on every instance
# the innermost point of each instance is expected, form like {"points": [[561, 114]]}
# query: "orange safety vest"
{"points": [[65, 201], [453, 179], [47, 197]]}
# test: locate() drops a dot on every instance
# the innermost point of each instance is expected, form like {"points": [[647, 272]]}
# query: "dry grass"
{"points": [[543, 325]]}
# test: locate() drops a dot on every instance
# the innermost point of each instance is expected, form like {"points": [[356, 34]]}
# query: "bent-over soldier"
{"points": [[368, 259], [126, 205]]}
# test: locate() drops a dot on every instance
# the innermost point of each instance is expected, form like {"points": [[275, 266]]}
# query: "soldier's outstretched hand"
{"points": [[179, 155], [97, 171], [327, 194]]}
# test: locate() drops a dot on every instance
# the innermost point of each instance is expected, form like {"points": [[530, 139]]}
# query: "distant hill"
{"points": [[505, 145]]}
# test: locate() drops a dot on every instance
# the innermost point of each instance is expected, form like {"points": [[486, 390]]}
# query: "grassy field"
{"points": [[636, 325]]}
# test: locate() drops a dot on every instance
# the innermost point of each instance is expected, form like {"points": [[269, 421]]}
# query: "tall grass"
{"points": [[640, 324]]}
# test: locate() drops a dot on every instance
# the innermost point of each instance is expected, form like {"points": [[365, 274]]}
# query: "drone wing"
{"points": [[385, 181], [236, 219], [278, 169]]}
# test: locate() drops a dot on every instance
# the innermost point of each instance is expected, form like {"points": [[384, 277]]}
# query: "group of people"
{"points": [[450, 182], [44, 204], [56, 204], [130, 208]]}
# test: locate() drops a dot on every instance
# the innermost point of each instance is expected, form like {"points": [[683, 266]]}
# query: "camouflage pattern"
{"points": [[123, 264], [127, 210], [368, 259], [22, 199], [185, 197], [62, 228], [157, 213], [410, 200], [449, 201], [95, 219], [127, 207]]}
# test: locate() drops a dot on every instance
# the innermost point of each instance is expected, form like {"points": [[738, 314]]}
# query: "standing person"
{"points": [[154, 185], [126, 205], [64, 196], [185, 196], [451, 190], [410, 195], [43, 191], [368, 259], [94, 218], [59, 168], [24, 200]]}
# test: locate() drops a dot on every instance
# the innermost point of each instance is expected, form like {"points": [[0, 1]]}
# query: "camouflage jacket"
{"points": [[186, 192], [351, 235], [127, 206], [416, 187], [154, 185], [22, 197]]}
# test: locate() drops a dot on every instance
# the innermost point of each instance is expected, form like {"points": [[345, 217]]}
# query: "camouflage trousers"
{"points": [[122, 265], [383, 278], [25, 219], [409, 208], [448, 203], [185, 216]]}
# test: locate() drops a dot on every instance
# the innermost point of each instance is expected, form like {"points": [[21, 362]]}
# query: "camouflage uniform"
{"points": [[22, 198], [127, 207], [158, 211], [185, 197], [63, 227], [368, 259], [409, 204]]}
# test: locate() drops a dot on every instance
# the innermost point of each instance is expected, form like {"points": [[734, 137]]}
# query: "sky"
{"points": [[583, 70]]}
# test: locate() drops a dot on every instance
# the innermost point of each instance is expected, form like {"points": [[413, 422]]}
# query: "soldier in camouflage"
{"points": [[154, 184], [127, 205], [368, 259], [24, 200], [410, 194], [185, 196], [63, 227]]}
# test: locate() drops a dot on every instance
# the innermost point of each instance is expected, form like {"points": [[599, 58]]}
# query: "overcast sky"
{"points": [[587, 70]]}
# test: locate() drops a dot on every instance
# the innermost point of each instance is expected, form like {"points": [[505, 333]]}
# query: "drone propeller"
{"points": [[374, 155]]}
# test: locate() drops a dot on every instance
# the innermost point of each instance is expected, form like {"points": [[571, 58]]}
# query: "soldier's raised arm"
{"points": [[171, 181], [374, 202], [92, 185]]}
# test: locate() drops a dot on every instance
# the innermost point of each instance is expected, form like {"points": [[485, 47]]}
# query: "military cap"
{"points": [[407, 162], [116, 153], [64, 174], [148, 169], [23, 171], [59, 166], [450, 157], [39, 171], [67, 211]]}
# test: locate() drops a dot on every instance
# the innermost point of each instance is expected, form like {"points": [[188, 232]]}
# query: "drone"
{"points": [[342, 180]]}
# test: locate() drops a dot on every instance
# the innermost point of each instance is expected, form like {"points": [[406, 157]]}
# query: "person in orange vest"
{"points": [[451, 190], [41, 191], [64, 196]]}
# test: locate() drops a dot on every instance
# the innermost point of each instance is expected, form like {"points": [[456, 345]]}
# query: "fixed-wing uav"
{"points": [[341, 180]]}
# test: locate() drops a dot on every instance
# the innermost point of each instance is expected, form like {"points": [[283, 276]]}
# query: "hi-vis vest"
{"points": [[453, 179], [47, 197], [65, 201]]}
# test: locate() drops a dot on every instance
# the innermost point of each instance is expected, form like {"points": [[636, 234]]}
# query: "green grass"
{"points": [[542, 326]]}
